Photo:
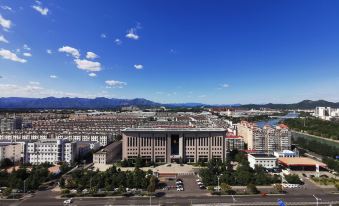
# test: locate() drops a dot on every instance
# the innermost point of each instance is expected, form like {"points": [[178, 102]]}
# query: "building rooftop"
{"points": [[233, 137], [300, 161], [174, 130], [262, 155]]}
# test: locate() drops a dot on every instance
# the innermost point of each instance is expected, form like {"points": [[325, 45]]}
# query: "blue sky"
{"points": [[254, 51]]}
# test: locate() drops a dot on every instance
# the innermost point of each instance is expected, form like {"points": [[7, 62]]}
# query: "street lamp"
{"points": [[219, 182], [317, 199], [25, 186], [90, 185]]}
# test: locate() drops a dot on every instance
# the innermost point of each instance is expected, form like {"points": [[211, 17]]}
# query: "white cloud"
{"points": [[10, 90], [131, 34], [27, 54], [87, 65], [225, 85], [202, 96], [91, 55], [42, 11], [49, 51], [3, 39], [92, 74], [52, 76], [17, 90], [70, 50], [115, 84], [138, 66], [103, 35], [6, 54], [5, 23], [34, 83], [7, 8], [118, 41], [26, 47]]}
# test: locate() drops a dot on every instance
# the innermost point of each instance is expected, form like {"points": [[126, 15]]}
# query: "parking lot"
{"points": [[189, 184]]}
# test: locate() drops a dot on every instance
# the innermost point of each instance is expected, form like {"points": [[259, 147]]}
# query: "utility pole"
{"points": [[25, 187]]}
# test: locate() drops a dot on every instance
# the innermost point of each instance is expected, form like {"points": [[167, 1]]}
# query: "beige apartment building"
{"points": [[268, 138], [174, 144], [11, 151]]}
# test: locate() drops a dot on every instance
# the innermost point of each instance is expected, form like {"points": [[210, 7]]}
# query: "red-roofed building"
{"points": [[233, 142]]}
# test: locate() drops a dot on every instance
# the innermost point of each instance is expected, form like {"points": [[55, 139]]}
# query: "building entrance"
{"points": [[174, 144]]}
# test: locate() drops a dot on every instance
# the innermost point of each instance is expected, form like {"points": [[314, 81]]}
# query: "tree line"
{"points": [[109, 180], [328, 152], [315, 126], [243, 175]]}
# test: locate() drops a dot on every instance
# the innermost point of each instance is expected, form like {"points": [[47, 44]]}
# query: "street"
{"points": [[48, 198]]}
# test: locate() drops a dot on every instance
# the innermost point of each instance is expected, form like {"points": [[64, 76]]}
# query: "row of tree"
{"points": [[109, 180], [32, 177], [137, 162], [243, 175], [317, 147], [328, 152], [28, 177], [315, 126]]}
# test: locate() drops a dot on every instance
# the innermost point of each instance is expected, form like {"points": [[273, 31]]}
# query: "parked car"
{"points": [[202, 187], [200, 183], [180, 189], [68, 201], [180, 185]]}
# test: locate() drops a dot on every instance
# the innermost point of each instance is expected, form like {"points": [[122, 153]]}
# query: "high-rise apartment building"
{"points": [[267, 139]]}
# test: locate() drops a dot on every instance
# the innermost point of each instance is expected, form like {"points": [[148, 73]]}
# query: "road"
{"points": [[47, 198]]}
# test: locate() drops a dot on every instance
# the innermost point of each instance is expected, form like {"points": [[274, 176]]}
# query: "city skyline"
{"points": [[224, 52]]}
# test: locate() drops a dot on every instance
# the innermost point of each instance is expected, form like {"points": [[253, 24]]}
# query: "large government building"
{"points": [[174, 144]]}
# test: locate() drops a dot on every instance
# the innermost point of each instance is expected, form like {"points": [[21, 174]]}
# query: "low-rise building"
{"points": [[285, 153], [266, 160], [109, 154]]}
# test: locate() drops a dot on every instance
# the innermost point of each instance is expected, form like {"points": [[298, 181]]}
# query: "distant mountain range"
{"points": [[72, 103], [106, 103], [306, 104]]}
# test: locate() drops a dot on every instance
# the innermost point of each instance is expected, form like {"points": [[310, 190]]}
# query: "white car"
{"points": [[180, 189], [198, 180], [69, 201], [200, 183]]}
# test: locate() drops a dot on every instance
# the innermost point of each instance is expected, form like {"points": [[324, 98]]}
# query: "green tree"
{"points": [[225, 187], [279, 188], [251, 188], [62, 182], [293, 179], [6, 162], [337, 186], [7, 191], [152, 185]]}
